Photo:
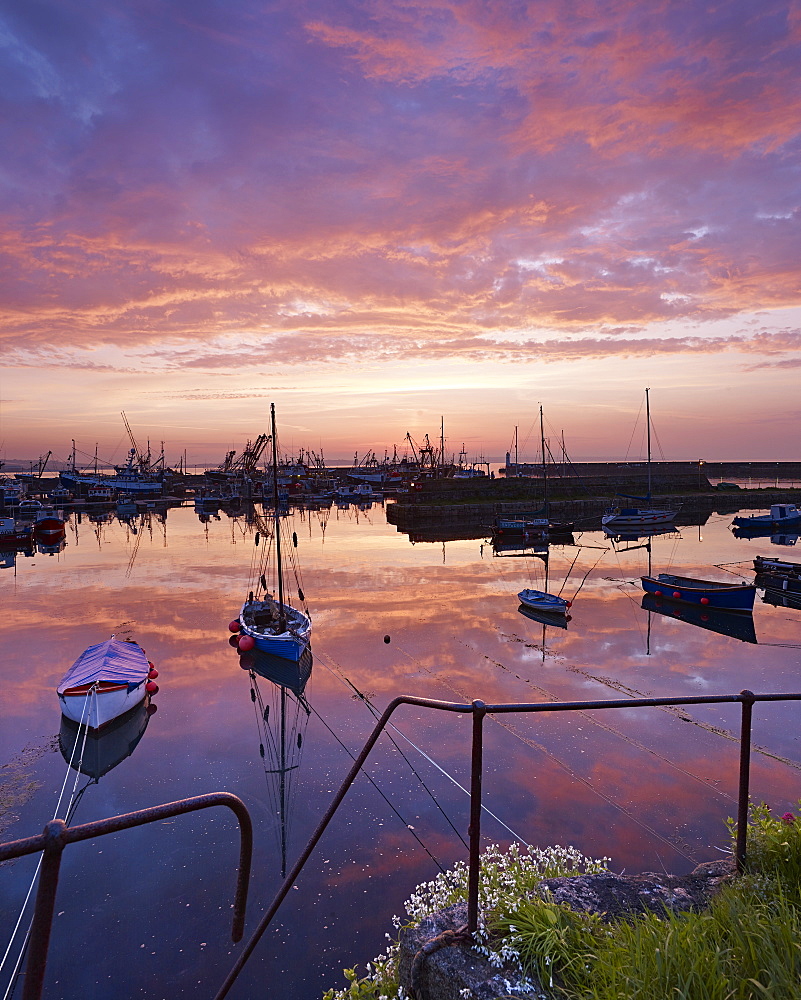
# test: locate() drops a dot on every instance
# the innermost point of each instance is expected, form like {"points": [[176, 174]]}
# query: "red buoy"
{"points": [[704, 600], [233, 641], [152, 673], [151, 687], [246, 643], [676, 595], [657, 593], [234, 625]]}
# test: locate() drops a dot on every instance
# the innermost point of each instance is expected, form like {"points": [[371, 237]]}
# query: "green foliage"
{"points": [[552, 941], [773, 846], [744, 947], [368, 988]]}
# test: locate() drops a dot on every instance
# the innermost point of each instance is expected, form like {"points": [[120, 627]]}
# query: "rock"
{"points": [[621, 896], [446, 971]]}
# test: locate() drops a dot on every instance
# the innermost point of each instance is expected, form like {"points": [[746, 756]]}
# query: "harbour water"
{"points": [[147, 912]]}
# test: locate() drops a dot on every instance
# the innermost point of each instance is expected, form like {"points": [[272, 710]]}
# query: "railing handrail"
{"points": [[55, 837], [479, 710]]}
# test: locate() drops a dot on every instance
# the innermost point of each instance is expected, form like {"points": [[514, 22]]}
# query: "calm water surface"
{"points": [[148, 911]]}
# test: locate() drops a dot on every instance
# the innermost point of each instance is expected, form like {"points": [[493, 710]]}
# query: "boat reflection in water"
{"points": [[282, 714], [731, 623], [94, 752], [554, 618], [784, 538], [781, 591]]}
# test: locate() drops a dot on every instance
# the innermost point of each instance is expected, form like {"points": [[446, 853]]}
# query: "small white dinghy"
{"points": [[538, 600], [106, 681]]}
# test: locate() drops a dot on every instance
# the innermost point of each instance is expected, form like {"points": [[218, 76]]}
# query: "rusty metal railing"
{"points": [[478, 710], [57, 835]]}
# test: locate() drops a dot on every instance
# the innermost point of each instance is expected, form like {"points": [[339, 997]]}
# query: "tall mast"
{"points": [[544, 465], [281, 613], [648, 426]]}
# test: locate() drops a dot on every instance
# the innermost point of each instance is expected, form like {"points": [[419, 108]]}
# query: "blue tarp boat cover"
{"points": [[113, 660]]}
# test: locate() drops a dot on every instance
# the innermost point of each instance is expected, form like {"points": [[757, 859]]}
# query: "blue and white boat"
{"points": [[539, 600], [705, 593], [782, 515], [270, 623]]}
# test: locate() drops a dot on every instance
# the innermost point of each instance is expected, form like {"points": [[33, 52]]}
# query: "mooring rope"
{"points": [[426, 757], [90, 695]]}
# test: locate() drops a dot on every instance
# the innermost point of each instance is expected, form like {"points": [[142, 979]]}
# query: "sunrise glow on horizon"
{"points": [[382, 215]]}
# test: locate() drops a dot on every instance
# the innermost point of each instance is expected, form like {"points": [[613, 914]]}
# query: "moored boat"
{"points": [[627, 518], [522, 525], [707, 593], [14, 533], [539, 600], [782, 515], [270, 623], [49, 524], [782, 567], [358, 493], [107, 680]]}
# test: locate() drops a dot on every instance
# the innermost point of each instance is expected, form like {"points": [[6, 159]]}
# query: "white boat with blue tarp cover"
{"points": [[106, 680]]}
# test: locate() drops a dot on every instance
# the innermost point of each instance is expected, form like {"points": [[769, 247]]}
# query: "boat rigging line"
{"points": [[564, 766], [73, 803], [337, 672], [352, 756]]}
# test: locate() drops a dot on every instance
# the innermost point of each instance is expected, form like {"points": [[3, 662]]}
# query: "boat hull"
{"points": [[780, 516], [521, 526], [628, 518], [706, 593], [290, 644], [103, 706], [781, 567], [538, 600]]}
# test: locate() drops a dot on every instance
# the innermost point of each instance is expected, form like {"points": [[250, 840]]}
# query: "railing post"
{"points": [[479, 711], [42, 924], [745, 772]]}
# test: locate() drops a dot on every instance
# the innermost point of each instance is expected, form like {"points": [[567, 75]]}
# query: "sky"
{"points": [[389, 217]]}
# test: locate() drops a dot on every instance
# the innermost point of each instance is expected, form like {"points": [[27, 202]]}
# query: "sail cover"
{"points": [[113, 660]]}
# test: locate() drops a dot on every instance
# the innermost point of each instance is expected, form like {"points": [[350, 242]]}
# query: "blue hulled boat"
{"points": [[782, 515], [706, 593]]}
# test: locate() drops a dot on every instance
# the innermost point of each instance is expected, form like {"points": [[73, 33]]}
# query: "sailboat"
{"points": [[623, 518], [270, 623]]}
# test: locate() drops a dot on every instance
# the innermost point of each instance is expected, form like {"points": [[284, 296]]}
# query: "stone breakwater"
{"points": [[443, 510]]}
